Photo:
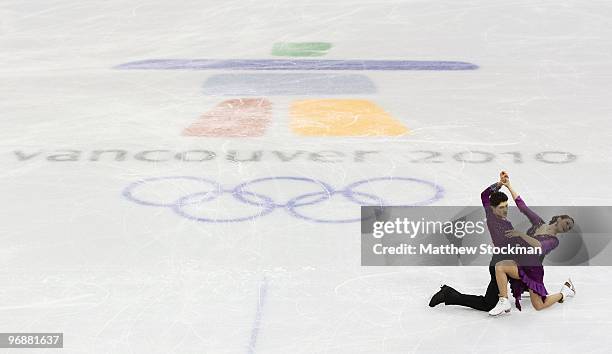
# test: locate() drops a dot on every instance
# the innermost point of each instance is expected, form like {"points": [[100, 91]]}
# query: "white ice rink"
{"points": [[118, 276]]}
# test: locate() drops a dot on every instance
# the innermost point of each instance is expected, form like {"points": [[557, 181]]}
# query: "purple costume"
{"points": [[532, 275], [497, 226]]}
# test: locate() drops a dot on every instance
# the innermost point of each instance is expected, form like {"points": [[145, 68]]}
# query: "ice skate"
{"points": [[503, 306]]}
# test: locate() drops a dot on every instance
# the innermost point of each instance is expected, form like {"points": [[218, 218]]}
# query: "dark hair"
{"points": [[497, 197], [554, 218]]}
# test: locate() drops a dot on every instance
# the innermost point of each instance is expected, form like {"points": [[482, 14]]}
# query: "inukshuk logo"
{"points": [[249, 114]]}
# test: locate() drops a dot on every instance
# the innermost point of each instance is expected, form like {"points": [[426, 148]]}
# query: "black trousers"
{"points": [[478, 302]]}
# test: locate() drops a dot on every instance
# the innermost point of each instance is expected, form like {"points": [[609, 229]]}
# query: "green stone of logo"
{"points": [[301, 49]]}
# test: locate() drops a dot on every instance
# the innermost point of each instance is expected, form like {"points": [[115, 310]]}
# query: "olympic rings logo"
{"points": [[244, 193]]}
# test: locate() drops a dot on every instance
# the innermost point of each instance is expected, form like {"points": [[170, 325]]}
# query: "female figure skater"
{"points": [[526, 272]]}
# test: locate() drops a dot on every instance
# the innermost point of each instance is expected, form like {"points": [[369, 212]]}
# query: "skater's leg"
{"points": [[477, 302], [492, 294], [538, 304], [503, 270]]}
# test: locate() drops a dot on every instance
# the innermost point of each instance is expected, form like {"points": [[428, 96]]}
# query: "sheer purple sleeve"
{"points": [[549, 244], [534, 218]]}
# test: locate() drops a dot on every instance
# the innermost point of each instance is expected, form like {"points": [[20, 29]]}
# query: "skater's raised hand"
{"points": [[505, 181], [504, 178]]}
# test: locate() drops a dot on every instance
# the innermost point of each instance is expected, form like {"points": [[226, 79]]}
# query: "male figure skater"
{"points": [[495, 204]]}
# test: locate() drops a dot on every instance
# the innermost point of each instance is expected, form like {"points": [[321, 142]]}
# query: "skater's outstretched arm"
{"points": [[533, 242], [546, 245], [484, 196], [514, 194], [534, 218]]}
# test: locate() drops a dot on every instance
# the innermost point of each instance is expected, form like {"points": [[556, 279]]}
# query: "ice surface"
{"points": [[117, 276]]}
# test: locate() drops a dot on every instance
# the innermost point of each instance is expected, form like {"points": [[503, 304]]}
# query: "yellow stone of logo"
{"points": [[343, 117]]}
